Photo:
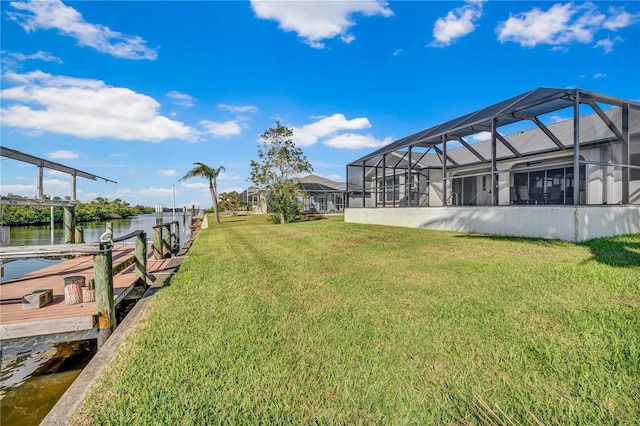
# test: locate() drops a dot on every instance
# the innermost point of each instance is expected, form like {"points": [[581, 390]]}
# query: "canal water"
{"points": [[32, 379]]}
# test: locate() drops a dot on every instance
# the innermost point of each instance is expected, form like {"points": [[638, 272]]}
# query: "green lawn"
{"points": [[324, 322]]}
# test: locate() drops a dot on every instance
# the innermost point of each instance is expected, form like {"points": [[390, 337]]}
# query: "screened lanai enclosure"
{"points": [[534, 153]]}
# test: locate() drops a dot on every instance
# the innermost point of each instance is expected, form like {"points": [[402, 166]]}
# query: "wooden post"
{"points": [[157, 242], [176, 246], [166, 240], [69, 224], [103, 281], [79, 235], [141, 255]]}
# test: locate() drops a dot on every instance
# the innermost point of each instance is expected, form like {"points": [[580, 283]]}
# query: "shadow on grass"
{"points": [[621, 251], [308, 217], [225, 220], [534, 241]]}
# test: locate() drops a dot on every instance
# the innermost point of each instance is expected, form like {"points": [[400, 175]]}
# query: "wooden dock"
{"points": [[57, 320]]}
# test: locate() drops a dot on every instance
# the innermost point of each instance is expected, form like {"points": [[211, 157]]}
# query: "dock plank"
{"points": [[57, 316]]}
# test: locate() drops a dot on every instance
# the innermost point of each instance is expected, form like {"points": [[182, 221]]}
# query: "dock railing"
{"points": [[166, 239], [103, 268]]}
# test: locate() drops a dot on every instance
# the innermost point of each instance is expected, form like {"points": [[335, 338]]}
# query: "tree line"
{"points": [[98, 209]]}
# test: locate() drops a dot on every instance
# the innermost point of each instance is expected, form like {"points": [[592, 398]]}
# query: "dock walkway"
{"points": [[58, 318]]}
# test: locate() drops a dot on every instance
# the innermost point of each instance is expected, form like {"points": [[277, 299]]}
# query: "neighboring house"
{"points": [[255, 198], [510, 169], [320, 195]]}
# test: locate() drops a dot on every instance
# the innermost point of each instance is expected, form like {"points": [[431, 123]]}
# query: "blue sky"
{"points": [[138, 91]]}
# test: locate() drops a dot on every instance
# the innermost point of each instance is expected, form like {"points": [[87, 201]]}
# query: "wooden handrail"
{"points": [[26, 252], [165, 224], [128, 236]]}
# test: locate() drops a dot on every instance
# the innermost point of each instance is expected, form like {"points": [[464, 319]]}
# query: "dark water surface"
{"points": [[33, 379]]}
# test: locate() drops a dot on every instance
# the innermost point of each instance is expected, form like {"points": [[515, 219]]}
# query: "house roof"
{"points": [[311, 187], [527, 106], [315, 179]]}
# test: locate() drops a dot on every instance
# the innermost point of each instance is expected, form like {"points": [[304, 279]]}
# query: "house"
{"points": [[322, 195], [318, 195], [255, 199], [549, 163]]}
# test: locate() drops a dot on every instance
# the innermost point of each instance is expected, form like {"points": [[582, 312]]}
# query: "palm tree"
{"points": [[206, 172]]}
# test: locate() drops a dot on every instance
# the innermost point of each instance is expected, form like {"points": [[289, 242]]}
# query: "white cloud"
{"points": [[310, 134], [563, 24], [12, 58], [397, 52], [557, 118], [22, 190], [221, 130], [53, 14], [607, 44], [599, 75], [167, 172], [86, 108], [315, 21], [63, 155], [458, 23], [239, 108], [49, 184], [50, 187], [157, 193], [619, 18], [356, 141], [228, 176], [196, 185], [480, 137], [181, 98]]}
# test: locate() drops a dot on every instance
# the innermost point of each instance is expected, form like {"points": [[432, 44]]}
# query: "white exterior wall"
{"points": [[567, 223], [435, 188]]}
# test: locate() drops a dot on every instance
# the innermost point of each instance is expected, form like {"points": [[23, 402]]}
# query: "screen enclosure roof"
{"points": [[527, 106]]}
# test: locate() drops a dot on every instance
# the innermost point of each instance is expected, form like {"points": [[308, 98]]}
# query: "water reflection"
{"points": [[33, 379]]}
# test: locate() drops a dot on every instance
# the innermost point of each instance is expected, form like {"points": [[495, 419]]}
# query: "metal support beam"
{"points": [[508, 145], [74, 179], [409, 177], [500, 138], [576, 148], [384, 180], [607, 120], [471, 149], [444, 170], [364, 176], [394, 186], [41, 162], [40, 188], [542, 127], [626, 154], [494, 181], [10, 201], [444, 154]]}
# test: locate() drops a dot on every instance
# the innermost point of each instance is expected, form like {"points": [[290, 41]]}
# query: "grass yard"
{"points": [[324, 322]]}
